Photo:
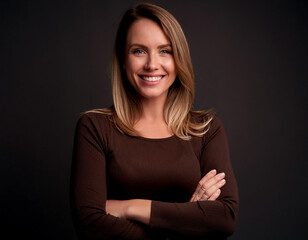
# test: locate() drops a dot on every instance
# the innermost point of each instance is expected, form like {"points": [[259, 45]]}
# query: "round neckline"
{"points": [[156, 139], [145, 138]]}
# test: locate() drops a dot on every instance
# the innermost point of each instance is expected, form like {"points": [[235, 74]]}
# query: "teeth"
{"points": [[151, 79]]}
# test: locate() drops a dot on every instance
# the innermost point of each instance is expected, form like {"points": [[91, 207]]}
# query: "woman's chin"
{"points": [[152, 95]]}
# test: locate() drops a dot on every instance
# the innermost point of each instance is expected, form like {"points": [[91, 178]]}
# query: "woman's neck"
{"points": [[153, 109], [151, 123]]}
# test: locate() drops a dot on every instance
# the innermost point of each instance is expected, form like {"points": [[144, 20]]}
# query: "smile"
{"points": [[151, 78]]}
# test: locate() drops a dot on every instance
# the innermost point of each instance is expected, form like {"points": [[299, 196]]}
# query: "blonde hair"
{"points": [[178, 113]]}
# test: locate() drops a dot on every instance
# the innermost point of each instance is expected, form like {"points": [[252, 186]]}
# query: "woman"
{"points": [[150, 167]]}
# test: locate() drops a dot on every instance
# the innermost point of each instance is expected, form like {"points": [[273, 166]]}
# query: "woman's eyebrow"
{"points": [[143, 46], [164, 45], [137, 45]]}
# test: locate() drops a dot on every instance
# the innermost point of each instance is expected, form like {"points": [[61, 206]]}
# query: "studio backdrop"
{"points": [[250, 62]]}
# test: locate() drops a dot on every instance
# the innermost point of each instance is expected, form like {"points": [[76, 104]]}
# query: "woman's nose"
{"points": [[152, 62]]}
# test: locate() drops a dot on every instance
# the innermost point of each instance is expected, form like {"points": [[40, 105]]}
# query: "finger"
{"points": [[193, 198], [214, 180], [201, 189], [215, 195], [206, 178], [201, 195], [215, 187], [204, 197], [197, 198]]}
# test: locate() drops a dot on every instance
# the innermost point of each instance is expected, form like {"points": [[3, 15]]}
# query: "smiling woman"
{"points": [[150, 167], [149, 62]]}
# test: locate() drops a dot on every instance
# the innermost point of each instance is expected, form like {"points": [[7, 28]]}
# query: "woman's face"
{"points": [[149, 61]]}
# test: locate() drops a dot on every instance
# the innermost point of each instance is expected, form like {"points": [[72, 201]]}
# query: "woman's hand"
{"points": [[117, 208], [209, 187], [134, 209]]}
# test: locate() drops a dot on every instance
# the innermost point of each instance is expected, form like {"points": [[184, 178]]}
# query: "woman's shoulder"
{"points": [[210, 121], [95, 126], [200, 116], [96, 117], [215, 129], [203, 116]]}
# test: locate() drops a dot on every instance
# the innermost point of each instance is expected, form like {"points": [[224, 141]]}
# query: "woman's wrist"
{"points": [[139, 210], [117, 208]]}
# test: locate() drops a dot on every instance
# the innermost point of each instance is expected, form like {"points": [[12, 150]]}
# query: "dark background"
{"points": [[250, 60]]}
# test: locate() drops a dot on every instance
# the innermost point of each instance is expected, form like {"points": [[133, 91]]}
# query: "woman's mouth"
{"points": [[151, 78]]}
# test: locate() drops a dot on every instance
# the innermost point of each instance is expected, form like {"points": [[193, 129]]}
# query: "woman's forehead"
{"points": [[146, 31]]}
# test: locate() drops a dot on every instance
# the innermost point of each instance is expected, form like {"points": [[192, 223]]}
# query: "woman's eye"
{"points": [[165, 51], [138, 51]]}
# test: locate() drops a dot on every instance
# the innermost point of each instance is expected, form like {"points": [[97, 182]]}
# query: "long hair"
{"points": [[178, 113]]}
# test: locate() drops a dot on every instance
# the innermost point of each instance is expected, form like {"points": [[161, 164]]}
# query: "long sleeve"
{"points": [[88, 188], [215, 219]]}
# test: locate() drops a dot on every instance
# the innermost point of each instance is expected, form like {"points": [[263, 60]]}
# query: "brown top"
{"points": [[110, 165]]}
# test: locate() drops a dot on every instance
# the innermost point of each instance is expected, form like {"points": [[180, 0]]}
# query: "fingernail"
{"points": [[213, 171], [222, 181], [221, 174]]}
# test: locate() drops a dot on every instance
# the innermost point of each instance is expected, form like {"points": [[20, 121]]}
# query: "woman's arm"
{"points": [[195, 218], [140, 209], [203, 218], [88, 188], [134, 209]]}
